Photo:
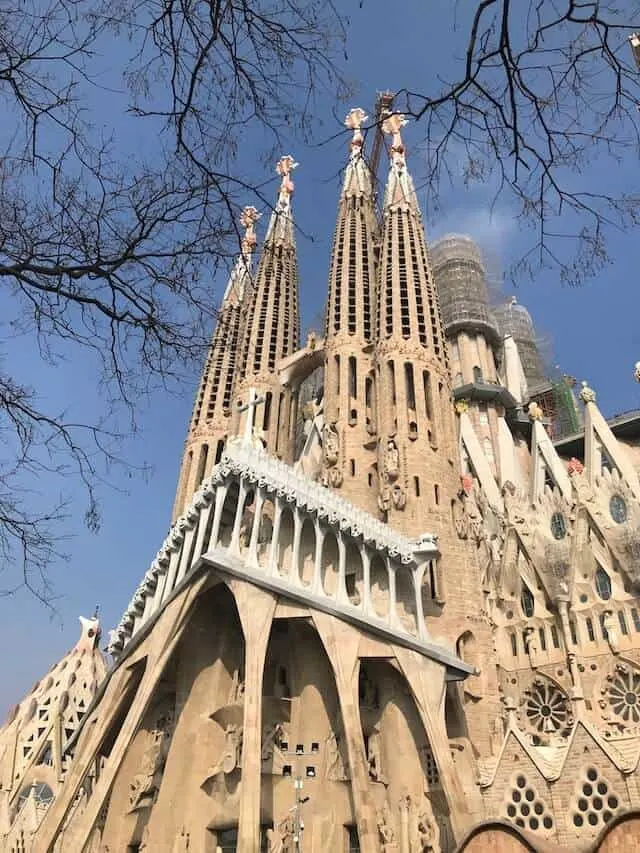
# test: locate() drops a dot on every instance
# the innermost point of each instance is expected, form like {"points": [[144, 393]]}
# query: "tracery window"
{"points": [[623, 694], [546, 708], [603, 584], [618, 509], [558, 526], [527, 601]]}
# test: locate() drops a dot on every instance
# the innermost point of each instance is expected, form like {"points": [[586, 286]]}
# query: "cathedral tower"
{"points": [[350, 459], [416, 431], [211, 418], [472, 336], [272, 327]]}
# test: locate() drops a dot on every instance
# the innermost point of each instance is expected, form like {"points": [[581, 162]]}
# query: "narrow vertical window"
{"points": [[543, 639], [622, 619], [590, 632], [219, 450], [353, 378], [416, 486], [353, 467], [266, 415], [202, 464], [426, 381], [409, 384], [436, 494]]}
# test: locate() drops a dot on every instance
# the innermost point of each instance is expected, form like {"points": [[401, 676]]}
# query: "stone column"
{"points": [[256, 608]]}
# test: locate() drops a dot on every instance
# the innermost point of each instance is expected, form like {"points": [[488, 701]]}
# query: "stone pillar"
{"points": [[256, 608]]}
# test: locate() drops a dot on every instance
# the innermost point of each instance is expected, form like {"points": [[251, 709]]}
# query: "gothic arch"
{"points": [[379, 579]]}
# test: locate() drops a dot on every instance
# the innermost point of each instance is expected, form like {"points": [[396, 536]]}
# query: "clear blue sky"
{"points": [[594, 331]]}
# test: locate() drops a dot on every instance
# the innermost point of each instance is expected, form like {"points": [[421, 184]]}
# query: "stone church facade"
{"points": [[397, 614]]}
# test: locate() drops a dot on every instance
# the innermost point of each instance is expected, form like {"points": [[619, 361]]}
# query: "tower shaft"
{"points": [[349, 398]]}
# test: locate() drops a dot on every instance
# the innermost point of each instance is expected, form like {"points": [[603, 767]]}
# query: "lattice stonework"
{"points": [[525, 807], [546, 708], [623, 694], [595, 802]]}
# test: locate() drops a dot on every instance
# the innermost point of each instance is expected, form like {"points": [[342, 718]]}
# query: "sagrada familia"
{"points": [[398, 608]]}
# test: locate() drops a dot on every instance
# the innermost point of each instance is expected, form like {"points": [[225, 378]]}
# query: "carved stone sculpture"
{"points": [[391, 461], [271, 737], [280, 839], [398, 497], [386, 830], [232, 752], [426, 838], [146, 783], [611, 627], [374, 757], [331, 444], [531, 645], [336, 765]]}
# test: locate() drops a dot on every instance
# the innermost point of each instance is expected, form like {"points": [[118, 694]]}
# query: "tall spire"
{"points": [[272, 325], [414, 411], [349, 376], [211, 418]]}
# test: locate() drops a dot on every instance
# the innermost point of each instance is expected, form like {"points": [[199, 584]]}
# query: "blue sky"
{"points": [[594, 330]]}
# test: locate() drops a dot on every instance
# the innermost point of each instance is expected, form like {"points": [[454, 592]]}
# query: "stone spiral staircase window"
{"points": [[595, 803], [526, 808]]}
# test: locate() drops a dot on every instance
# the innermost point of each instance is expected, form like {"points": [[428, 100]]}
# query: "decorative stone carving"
{"points": [[574, 466], [386, 830], [145, 784], [587, 395], [610, 625], [384, 499], [535, 412], [426, 835], [236, 691], [461, 406], [531, 645], [280, 839], [374, 756], [636, 371], [231, 756], [391, 461], [271, 737], [331, 444], [334, 478], [398, 497], [336, 764]]}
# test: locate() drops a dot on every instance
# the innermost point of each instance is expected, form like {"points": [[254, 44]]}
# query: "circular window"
{"points": [[623, 695], [546, 708], [618, 509], [558, 525]]}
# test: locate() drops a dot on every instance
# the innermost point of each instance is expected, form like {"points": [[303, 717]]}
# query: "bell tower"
{"points": [[350, 458], [212, 412], [417, 442], [272, 328]]}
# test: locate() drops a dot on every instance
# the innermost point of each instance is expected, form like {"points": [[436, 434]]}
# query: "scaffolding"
{"points": [[460, 275], [515, 320]]}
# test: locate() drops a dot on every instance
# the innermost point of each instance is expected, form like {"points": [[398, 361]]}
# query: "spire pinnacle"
{"points": [[392, 125], [284, 167], [354, 120], [248, 219]]}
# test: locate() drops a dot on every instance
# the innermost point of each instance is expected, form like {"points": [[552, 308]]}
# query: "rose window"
{"points": [[624, 695], [546, 708]]}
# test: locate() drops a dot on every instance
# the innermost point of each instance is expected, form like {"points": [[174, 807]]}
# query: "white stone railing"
{"points": [[292, 534]]}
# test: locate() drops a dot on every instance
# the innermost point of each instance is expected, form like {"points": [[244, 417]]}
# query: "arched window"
{"points": [[527, 601], [618, 509], [477, 374], [603, 584], [558, 526]]}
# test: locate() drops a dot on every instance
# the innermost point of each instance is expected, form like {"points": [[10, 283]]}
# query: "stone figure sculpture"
{"points": [[145, 784]]}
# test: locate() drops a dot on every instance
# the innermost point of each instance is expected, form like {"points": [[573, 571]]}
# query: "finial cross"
{"points": [[250, 408]]}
